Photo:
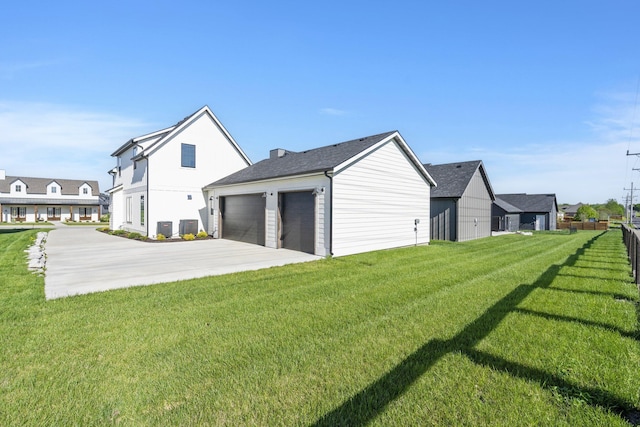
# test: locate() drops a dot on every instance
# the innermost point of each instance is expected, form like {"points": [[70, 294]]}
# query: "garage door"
{"points": [[243, 218], [297, 211]]}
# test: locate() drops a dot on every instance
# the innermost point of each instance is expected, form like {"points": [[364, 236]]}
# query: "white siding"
{"points": [[116, 212], [170, 184], [172, 192], [376, 202]]}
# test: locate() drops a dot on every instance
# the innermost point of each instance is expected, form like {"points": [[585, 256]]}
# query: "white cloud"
{"points": [[46, 140]]}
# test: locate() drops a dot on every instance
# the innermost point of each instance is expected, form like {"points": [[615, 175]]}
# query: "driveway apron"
{"points": [[82, 260]]}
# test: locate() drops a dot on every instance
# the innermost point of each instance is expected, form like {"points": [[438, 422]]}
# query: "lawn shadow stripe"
{"points": [[371, 401]]}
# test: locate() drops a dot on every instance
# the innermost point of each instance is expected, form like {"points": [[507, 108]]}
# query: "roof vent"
{"points": [[277, 153], [458, 166]]}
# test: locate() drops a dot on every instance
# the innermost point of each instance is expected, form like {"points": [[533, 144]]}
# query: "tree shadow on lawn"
{"points": [[364, 406]]}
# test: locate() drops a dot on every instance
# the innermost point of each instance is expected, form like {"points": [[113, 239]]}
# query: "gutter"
{"points": [[330, 212]]}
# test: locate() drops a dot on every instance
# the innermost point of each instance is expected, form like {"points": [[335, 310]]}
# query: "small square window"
{"points": [[188, 196], [18, 188], [54, 189], [85, 191]]}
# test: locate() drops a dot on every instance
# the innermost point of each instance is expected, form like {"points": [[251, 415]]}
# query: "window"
{"points": [[54, 190], [54, 213], [85, 213], [18, 188], [128, 210], [85, 190], [141, 210], [188, 156], [19, 212]]}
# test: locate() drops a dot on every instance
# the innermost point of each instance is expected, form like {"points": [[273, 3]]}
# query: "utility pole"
{"points": [[630, 204]]}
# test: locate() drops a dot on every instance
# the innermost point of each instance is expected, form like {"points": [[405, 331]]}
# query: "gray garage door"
{"points": [[297, 211], [243, 218]]}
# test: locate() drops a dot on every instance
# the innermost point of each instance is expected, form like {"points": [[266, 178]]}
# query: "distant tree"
{"points": [[613, 207], [585, 212]]}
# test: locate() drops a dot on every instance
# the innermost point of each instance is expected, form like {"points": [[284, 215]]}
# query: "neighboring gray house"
{"points": [[539, 211], [505, 216], [461, 203], [361, 195]]}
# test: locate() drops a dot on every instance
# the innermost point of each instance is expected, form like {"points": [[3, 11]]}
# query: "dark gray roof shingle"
{"points": [[296, 163], [454, 178], [531, 202], [507, 207]]}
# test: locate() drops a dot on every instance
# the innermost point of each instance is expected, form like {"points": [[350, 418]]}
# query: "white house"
{"points": [[158, 178], [48, 199], [361, 195]]}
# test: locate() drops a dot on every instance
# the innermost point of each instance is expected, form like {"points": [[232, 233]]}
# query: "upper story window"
{"points": [[54, 189], [188, 157], [85, 190], [18, 188]]}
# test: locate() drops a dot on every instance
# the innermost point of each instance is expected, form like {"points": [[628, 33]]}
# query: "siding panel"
{"points": [[376, 201]]}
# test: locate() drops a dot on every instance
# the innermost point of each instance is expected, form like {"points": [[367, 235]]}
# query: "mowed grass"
{"points": [[512, 330]]}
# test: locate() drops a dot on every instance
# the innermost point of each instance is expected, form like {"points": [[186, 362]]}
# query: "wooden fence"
{"points": [[579, 225], [631, 238]]}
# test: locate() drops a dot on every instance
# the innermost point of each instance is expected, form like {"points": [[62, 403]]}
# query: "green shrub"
{"points": [[104, 218], [118, 232], [134, 235], [201, 234], [160, 236], [103, 229], [188, 236]]}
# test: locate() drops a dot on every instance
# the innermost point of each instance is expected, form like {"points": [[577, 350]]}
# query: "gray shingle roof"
{"points": [[297, 163], [68, 187], [454, 178], [507, 207], [531, 202]]}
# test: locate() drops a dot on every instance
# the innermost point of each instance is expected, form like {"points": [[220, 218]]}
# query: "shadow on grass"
{"points": [[362, 407], [13, 230], [559, 318]]}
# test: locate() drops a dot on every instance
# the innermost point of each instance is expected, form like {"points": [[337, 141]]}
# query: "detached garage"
{"points": [[361, 195]]}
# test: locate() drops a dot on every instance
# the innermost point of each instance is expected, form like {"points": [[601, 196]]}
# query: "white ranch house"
{"points": [[28, 199], [158, 177], [366, 194]]}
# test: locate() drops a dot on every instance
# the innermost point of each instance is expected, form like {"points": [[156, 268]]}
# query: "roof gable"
{"points": [[152, 142], [454, 178], [323, 159]]}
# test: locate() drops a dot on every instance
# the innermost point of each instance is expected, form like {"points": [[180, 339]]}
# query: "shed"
{"points": [[360, 195]]}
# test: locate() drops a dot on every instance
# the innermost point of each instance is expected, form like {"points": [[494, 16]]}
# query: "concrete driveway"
{"points": [[81, 260]]}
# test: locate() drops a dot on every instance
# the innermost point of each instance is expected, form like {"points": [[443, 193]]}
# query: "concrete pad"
{"points": [[81, 260]]}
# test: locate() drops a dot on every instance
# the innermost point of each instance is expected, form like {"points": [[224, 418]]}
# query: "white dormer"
{"points": [[54, 189], [85, 190], [18, 188]]}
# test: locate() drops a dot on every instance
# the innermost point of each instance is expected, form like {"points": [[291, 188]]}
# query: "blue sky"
{"points": [[544, 93]]}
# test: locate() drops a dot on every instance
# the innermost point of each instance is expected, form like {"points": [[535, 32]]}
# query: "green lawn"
{"points": [[513, 330]]}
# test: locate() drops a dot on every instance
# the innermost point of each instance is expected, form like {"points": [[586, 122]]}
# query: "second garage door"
{"points": [[297, 211], [243, 218]]}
